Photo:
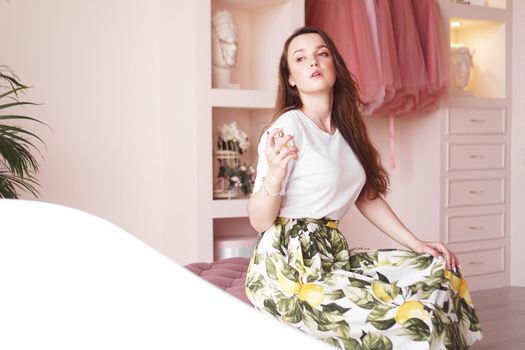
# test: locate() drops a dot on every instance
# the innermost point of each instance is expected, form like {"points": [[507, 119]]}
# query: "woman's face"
{"points": [[311, 64]]}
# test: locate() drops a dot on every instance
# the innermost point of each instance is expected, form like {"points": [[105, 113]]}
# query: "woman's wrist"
{"points": [[271, 187], [414, 244], [271, 184]]}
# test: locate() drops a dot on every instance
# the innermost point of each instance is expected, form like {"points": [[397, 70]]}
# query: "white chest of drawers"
{"points": [[475, 189]]}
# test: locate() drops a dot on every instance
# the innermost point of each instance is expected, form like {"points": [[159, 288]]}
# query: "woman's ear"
{"points": [[292, 83]]}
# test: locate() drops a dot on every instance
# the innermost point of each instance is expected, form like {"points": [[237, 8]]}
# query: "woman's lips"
{"points": [[315, 74]]}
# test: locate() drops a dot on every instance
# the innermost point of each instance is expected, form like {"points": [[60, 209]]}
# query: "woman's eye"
{"points": [[324, 54], [299, 59]]}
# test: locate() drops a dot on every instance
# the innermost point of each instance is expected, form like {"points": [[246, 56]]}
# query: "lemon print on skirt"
{"points": [[303, 273], [410, 309], [385, 292], [311, 293]]}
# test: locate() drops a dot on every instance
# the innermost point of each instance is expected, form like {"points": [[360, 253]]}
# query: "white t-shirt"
{"points": [[327, 177]]}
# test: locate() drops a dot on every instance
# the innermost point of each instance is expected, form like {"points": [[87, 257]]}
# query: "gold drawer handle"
{"points": [[476, 192], [477, 156], [475, 262], [477, 120], [476, 227]]}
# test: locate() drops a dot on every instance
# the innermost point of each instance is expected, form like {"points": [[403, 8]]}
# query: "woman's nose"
{"points": [[314, 63]]}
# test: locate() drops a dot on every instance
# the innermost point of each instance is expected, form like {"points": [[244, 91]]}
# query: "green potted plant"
{"points": [[18, 165]]}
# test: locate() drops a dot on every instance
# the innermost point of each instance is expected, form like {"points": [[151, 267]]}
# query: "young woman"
{"points": [[315, 161]]}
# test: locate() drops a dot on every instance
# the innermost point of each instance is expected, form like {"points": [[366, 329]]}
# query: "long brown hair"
{"points": [[346, 115]]}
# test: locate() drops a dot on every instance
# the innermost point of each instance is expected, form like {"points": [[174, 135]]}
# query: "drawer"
{"points": [[482, 262], [466, 228], [475, 192], [475, 156], [463, 121]]}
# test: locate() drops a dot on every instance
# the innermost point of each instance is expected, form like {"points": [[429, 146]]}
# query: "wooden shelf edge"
{"points": [[477, 12], [249, 99], [229, 208], [458, 100]]}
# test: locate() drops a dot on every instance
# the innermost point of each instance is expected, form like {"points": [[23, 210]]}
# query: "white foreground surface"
{"points": [[70, 280]]}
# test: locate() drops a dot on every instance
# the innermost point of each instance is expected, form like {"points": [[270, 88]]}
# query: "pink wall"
{"points": [[414, 194], [116, 81]]}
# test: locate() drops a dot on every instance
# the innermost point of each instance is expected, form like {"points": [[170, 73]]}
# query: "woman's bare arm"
{"points": [[264, 205], [381, 215], [263, 209]]}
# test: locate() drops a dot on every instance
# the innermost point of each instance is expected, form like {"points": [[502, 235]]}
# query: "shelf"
{"points": [[482, 38], [247, 99], [229, 208], [250, 5], [477, 12], [261, 27], [475, 101]]}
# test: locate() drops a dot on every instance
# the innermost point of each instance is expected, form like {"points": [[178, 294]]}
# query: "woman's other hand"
{"points": [[278, 154], [438, 250]]}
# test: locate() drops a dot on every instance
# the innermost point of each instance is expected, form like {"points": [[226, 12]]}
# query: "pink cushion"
{"points": [[227, 274]]}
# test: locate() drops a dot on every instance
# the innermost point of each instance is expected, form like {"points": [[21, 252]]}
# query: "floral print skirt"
{"points": [[302, 273]]}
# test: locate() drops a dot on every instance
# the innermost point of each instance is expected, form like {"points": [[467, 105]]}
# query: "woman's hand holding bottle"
{"points": [[280, 149]]}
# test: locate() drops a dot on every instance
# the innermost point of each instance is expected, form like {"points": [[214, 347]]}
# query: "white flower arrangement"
{"points": [[230, 132]]}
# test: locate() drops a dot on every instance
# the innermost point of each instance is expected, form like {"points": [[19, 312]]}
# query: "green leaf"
{"points": [[357, 283], [376, 342], [453, 339], [334, 307], [293, 313], [12, 92], [361, 297], [438, 325], [334, 294], [10, 183], [270, 306], [383, 324], [378, 312], [343, 329], [446, 306], [332, 341], [351, 344], [417, 329], [313, 277], [470, 314], [290, 273], [361, 259], [382, 277], [18, 166], [270, 269], [309, 321], [16, 104]]}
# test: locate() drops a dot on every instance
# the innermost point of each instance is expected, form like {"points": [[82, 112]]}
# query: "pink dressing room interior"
{"points": [[136, 102]]}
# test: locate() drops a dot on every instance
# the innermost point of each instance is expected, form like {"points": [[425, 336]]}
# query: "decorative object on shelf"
{"points": [[233, 176], [472, 2], [241, 177], [230, 133], [234, 246], [461, 66], [477, 2], [224, 49]]}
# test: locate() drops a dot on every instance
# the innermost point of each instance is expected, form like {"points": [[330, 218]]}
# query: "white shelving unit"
{"points": [[262, 27], [475, 134]]}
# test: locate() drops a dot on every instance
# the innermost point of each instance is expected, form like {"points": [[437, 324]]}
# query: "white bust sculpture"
{"points": [[461, 65], [224, 49]]}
